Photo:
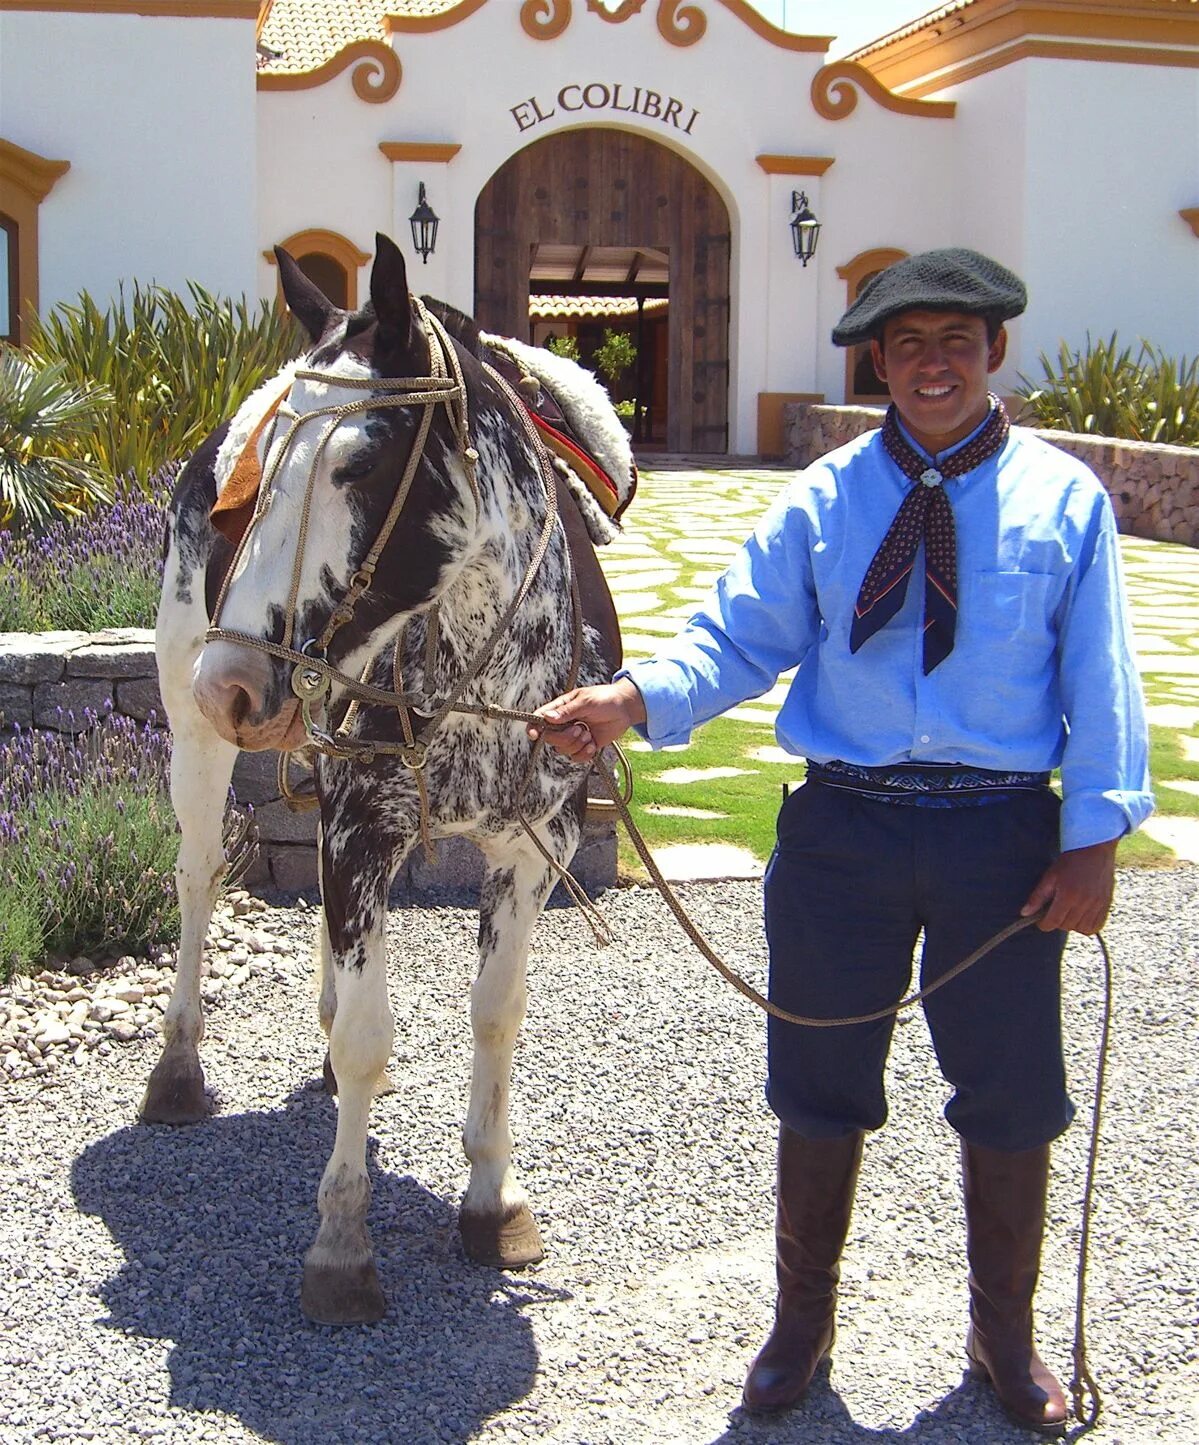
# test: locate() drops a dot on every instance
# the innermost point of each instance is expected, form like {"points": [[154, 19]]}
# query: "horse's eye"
{"points": [[355, 471]]}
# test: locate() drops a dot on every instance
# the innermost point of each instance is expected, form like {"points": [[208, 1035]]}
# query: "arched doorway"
{"points": [[600, 187]]}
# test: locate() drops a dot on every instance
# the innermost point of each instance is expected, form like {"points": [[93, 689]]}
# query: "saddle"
{"points": [[587, 442], [560, 438]]}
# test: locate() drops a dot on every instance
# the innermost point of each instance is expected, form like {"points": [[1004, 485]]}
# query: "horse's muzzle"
{"points": [[244, 695]]}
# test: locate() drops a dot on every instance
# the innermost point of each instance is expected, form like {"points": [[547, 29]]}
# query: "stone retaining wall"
{"points": [[1154, 489], [49, 679]]}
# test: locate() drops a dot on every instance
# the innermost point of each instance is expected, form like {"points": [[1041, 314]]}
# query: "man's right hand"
{"points": [[587, 719]]}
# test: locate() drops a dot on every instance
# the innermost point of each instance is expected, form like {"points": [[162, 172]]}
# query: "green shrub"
{"points": [[48, 421], [174, 367], [615, 354], [88, 844], [566, 346], [1109, 391]]}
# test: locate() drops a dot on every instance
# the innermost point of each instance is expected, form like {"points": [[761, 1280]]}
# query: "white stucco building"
{"points": [[646, 148]]}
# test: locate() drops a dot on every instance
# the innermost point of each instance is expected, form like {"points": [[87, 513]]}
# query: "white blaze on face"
{"points": [[264, 574]]}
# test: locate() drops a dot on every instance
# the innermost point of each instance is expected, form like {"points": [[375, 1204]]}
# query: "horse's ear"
{"points": [[308, 303], [389, 291]]}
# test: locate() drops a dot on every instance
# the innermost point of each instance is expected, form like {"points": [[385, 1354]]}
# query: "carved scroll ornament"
{"points": [[679, 22], [834, 95], [544, 19], [376, 78]]}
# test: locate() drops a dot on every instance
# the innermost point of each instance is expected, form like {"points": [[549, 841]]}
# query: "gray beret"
{"points": [[951, 280]]}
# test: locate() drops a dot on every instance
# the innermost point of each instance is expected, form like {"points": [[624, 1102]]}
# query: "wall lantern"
{"points": [[805, 228], [424, 221]]}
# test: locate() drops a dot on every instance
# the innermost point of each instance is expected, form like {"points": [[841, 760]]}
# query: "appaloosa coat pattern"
{"points": [[465, 546]]}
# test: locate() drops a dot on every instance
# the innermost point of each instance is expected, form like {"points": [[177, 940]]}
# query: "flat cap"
{"points": [[954, 279]]}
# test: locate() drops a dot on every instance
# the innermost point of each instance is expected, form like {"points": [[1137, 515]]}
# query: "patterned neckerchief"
{"points": [[924, 516]]}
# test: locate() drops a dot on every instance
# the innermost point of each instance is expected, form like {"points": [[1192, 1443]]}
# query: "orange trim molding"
{"points": [[325, 243], [441, 21], [794, 165], [680, 22], [416, 150], [853, 273], [683, 24], [865, 263], [544, 19], [949, 43], [834, 96], [1191, 216], [26, 180], [199, 10], [1055, 50], [614, 17], [376, 78]]}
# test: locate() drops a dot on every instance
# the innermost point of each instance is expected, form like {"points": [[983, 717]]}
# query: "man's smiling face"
{"points": [[936, 365]]}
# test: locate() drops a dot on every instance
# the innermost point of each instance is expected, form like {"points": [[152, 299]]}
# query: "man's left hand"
{"points": [[1076, 889]]}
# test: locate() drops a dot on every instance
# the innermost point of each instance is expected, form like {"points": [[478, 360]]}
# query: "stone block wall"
{"points": [[1154, 489], [51, 679]]}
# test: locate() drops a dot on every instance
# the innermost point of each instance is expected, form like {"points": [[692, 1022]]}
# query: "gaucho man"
{"points": [[948, 590]]}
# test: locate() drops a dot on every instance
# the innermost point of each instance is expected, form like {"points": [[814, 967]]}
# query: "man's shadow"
{"points": [[214, 1221], [967, 1412]]}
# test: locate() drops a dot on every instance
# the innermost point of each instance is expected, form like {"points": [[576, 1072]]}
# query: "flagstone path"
{"points": [[686, 524]]}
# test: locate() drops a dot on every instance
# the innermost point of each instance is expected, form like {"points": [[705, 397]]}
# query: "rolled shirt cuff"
{"points": [[663, 689], [1098, 817]]}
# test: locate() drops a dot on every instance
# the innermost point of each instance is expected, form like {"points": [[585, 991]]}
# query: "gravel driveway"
{"points": [[150, 1276]]}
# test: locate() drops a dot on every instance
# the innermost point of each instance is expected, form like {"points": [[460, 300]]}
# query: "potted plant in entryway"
{"points": [[614, 356]]}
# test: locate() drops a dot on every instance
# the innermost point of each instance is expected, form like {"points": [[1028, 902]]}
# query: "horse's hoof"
{"points": [[508, 1241], [175, 1093], [329, 1076], [330, 1295]]}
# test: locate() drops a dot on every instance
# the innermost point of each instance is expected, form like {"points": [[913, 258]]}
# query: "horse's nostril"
{"points": [[240, 708]]}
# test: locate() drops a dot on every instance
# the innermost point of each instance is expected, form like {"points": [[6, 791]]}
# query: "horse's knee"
{"points": [[359, 1047]]}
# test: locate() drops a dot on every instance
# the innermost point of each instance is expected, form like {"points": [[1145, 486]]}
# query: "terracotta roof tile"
{"points": [[304, 34], [564, 308], [942, 12]]}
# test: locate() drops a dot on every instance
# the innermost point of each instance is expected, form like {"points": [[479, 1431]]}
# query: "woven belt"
{"points": [[943, 785]]}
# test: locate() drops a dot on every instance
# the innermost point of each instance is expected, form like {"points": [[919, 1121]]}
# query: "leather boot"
{"points": [[1005, 1219], [816, 1180]]}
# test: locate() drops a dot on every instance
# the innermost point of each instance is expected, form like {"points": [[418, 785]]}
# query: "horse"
{"points": [[375, 562]]}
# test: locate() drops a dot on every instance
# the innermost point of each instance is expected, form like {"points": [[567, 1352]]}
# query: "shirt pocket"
{"points": [[1012, 611]]}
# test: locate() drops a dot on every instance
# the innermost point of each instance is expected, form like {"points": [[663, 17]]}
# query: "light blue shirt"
{"points": [[1041, 674]]}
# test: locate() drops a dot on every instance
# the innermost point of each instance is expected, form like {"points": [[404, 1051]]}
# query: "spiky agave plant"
{"points": [[46, 423], [1108, 390], [176, 365]]}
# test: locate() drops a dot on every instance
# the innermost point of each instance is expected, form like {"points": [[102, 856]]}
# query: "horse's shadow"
{"points": [[214, 1221]]}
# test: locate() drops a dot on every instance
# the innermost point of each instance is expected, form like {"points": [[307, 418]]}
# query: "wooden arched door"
{"points": [[596, 186]]}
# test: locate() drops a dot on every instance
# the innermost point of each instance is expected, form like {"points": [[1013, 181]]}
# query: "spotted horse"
{"points": [[382, 522]]}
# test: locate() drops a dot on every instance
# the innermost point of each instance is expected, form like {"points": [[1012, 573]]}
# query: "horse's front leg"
{"points": [[340, 1283], [497, 1226], [201, 766], [326, 1007]]}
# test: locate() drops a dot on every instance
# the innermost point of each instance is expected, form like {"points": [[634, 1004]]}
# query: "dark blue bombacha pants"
{"points": [[851, 884]]}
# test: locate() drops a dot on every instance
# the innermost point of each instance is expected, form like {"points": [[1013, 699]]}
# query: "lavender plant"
{"points": [[100, 570], [88, 843]]}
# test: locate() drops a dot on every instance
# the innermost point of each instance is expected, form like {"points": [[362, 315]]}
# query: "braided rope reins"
{"points": [[313, 678]]}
